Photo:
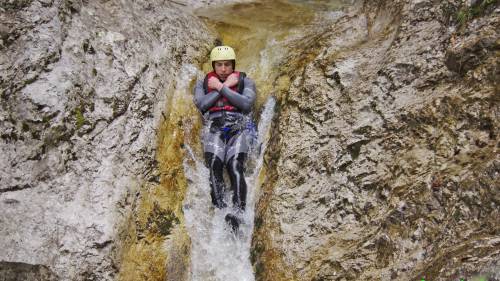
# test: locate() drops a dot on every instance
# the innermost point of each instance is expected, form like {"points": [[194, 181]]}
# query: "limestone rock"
{"points": [[384, 161], [82, 88]]}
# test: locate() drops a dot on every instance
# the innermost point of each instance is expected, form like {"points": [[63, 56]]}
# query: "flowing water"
{"points": [[259, 32], [218, 253]]}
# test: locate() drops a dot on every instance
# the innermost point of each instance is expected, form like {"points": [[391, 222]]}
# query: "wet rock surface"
{"points": [[383, 163], [14, 271], [82, 86]]}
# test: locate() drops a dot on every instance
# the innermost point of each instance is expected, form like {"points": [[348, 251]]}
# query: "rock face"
{"points": [[27, 272], [383, 164], [82, 86], [384, 160]]}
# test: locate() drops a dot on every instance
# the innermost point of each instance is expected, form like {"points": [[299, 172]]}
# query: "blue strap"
{"points": [[226, 132]]}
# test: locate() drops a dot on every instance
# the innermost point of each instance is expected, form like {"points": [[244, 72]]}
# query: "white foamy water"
{"points": [[216, 253]]}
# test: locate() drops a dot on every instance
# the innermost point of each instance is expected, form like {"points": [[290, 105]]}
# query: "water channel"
{"points": [[260, 33]]}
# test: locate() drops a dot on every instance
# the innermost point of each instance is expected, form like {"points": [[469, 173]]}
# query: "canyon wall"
{"points": [[83, 86], [383, 163]]}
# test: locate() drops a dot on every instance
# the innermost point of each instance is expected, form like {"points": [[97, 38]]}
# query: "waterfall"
{"points": [[216, 253]]}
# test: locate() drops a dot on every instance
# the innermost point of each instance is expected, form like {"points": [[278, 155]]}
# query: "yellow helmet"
{"points": [[222, 53]]}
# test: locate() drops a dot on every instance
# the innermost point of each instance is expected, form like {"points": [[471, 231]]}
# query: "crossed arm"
{"points": [[243, 101]]}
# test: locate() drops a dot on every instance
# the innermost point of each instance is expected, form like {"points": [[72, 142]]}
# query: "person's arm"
{"points": [[204, 101], [246, 99]]}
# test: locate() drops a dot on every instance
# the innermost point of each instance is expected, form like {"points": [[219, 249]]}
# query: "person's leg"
{"points": [[236, 169], [216, 167]]}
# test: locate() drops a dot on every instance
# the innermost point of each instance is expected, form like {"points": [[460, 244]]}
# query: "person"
{"points": [[226, 97]]}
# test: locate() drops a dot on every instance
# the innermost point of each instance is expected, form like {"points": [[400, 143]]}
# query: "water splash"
{"points": [[216, 253]]}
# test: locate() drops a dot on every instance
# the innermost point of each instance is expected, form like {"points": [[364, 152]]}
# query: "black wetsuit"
{"points": [[226, 139]]}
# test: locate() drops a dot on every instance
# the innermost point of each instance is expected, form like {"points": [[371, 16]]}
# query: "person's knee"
{"points": [[213, 162], [237, 163]]}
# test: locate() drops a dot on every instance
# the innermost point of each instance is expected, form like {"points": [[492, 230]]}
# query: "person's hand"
{"points": [[231, 80], [214, 83]]}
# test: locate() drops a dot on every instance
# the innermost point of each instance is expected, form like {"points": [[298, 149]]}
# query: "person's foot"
{"points": [[220, 204], [233, 221]]}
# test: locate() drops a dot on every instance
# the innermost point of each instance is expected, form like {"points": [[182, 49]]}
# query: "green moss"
{"points": [[258, 223], [46, 121], [161, 221], [465, 14], [255, 252], [80, 119], [57, 134], [25, 127], [259, 270], [483, 6]]}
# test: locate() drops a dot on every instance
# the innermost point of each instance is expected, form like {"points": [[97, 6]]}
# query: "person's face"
{"points": [[223, 68]]}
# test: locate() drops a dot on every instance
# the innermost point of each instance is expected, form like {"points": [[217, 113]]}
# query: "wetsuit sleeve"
{"points": [[204, 101], [245, 100]]}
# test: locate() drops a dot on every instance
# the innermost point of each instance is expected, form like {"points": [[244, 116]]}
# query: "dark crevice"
{"points": [[355, 148], [15, 188], [103, 244]]}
